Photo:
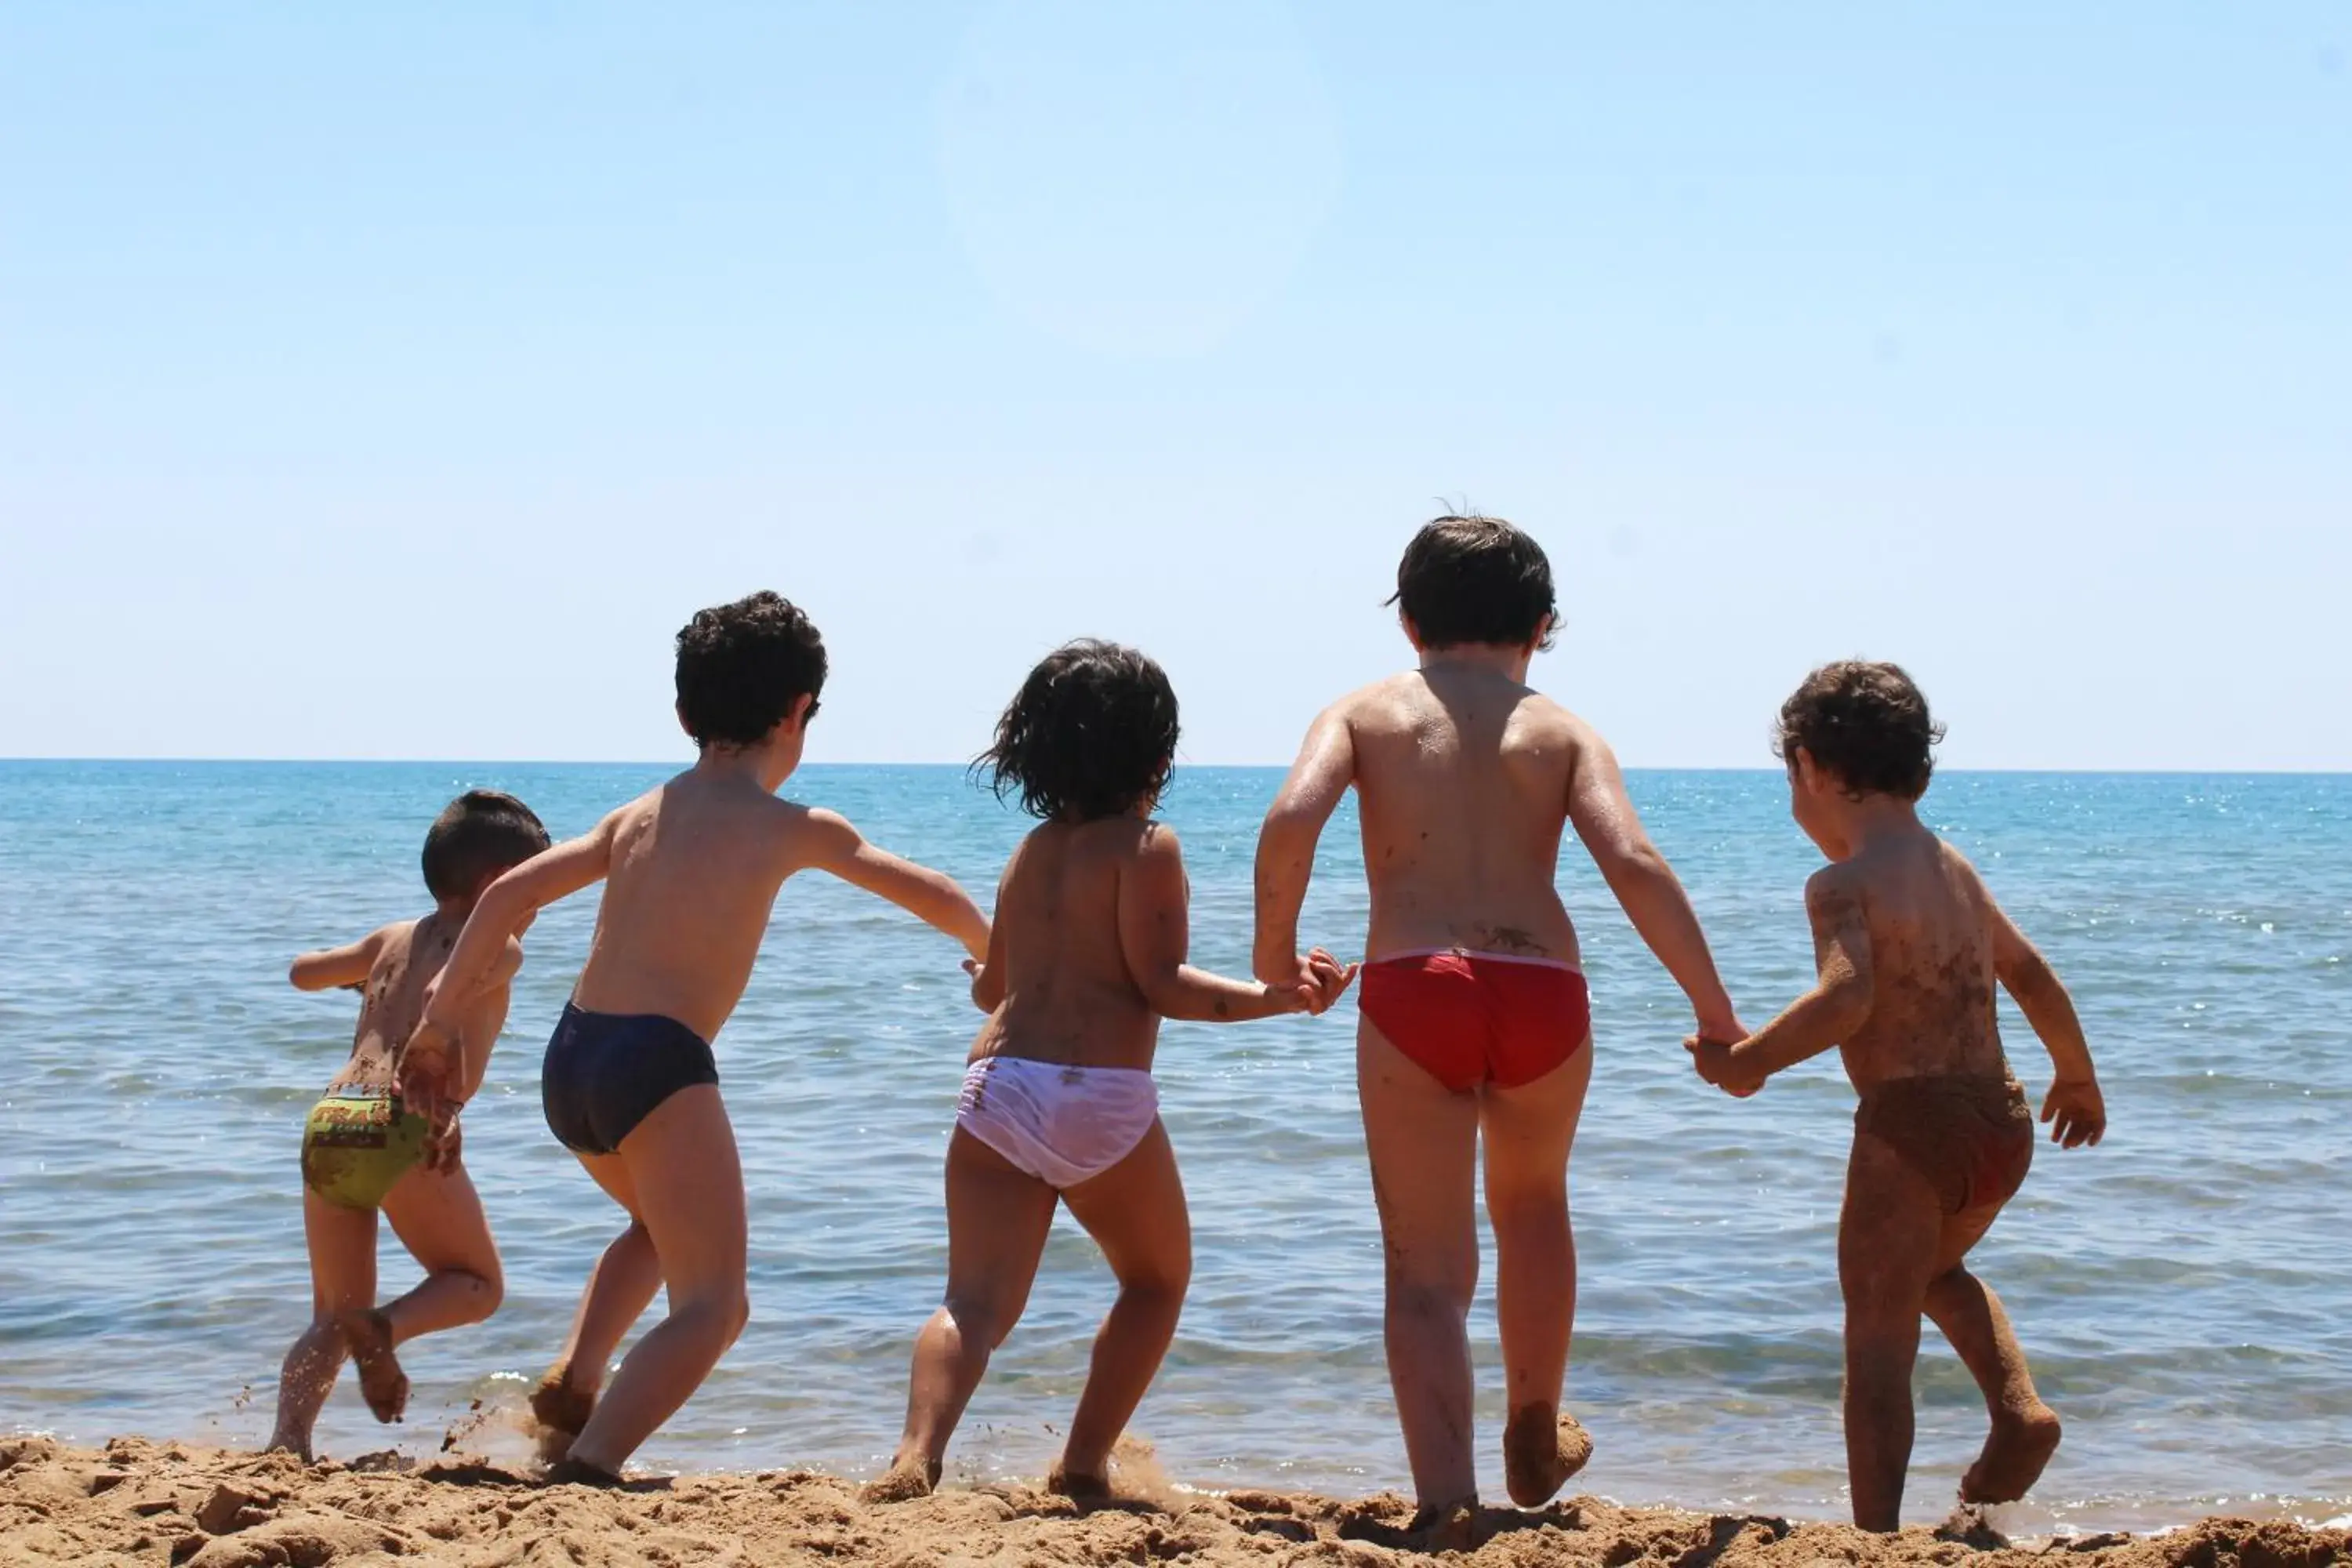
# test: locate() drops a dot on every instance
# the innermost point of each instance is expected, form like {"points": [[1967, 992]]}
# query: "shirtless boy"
{"points": [[691, 871], [364, 1150], [1909, 945], [1086, 955], [1475, 1015]]}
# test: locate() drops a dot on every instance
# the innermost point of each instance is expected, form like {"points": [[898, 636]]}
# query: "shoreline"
{"points": [[174, 1504]]}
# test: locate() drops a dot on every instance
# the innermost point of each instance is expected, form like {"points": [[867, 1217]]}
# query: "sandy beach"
{"points": [[145, 1502]]}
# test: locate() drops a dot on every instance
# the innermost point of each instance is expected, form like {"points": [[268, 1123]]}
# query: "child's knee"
{"points": [[1533, 1214], [980, 1319]]}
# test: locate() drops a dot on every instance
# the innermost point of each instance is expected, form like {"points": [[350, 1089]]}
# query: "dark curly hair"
{"points": [[1867, 724], [478, 835], [741, 667], [1091, 732], [1475, 580]]}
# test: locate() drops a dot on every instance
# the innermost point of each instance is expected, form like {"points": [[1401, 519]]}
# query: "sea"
{"points": [[2184, 1290]]}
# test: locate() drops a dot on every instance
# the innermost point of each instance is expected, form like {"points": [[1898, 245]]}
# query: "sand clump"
{"points": [[140, 1502]]}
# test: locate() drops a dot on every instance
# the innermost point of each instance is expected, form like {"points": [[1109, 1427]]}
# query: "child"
{"points": [[365, 1149], [1085, 959], [1475, 1012], [691, 871], [1909, 945]]}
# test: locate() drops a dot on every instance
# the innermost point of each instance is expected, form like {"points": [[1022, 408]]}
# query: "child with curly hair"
{"points": [[1086, 956], [1909, 944]]}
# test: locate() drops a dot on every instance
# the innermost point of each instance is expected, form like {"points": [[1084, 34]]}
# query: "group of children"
{"points": [[1474, 1030]]}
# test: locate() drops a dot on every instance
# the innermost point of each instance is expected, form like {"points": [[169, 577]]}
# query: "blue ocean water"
{"points": [[2182, 1290]]}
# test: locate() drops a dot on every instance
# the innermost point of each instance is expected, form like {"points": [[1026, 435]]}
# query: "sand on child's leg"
{"points": [[998, 1219], [368, 1333], [1888, 1238], [341, 1244], [2025, 1432]]}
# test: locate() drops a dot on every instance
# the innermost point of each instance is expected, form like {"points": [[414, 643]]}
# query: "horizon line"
{"points": [[1255, 767]]}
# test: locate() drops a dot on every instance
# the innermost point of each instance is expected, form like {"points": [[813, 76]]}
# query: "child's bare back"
{"points": [[1465, 778], [694, 868], [1067, 993]]}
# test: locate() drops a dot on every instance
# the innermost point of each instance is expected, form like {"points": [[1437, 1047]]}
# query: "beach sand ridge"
{"points": [[137, 1502]]}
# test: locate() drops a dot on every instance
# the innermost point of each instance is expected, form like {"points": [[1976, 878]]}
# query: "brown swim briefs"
{"points": [[1970, 1137]]}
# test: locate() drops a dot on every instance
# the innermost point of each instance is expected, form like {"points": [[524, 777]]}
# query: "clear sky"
{"points": [[387, 381]]}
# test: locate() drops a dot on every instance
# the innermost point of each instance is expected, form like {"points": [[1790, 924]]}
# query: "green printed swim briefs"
{"points": [[357, 1146]]}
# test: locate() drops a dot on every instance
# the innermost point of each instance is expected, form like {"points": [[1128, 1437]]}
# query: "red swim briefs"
{"points": [[1468, 1018]]}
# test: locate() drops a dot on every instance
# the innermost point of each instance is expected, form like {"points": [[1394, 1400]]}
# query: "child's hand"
{"points": [[2079, 1110], [1329, 977], [1718, 1065], [425, 1070], [444, 1140]]}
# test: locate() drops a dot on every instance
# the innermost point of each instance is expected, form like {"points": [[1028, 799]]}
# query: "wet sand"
{"points": [[139, 1502]]}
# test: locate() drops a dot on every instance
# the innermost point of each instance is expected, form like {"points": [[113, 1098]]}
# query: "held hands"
{"points": [[1719, 1062], [444, 1138], [2078, 1110], [1318, 983]]}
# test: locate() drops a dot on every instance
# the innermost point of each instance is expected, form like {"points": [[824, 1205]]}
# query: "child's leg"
{"points": [[342, 1279], [1135, 1210], [1528, 1132], [2025, 1432], [682, 1166], [1424, 1142], [1888, 1238], [620, 1287], [438, 1217], [998, 1216]]}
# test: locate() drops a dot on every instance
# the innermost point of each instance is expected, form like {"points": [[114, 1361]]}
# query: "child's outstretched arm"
{"points": [[932, 897], [1837, 1005], [343, 968], [2074, 1102], [1645, 886], [485, 948], [1286, 844], [1155, 934]]}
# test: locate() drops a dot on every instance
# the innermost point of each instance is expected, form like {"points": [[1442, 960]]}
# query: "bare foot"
{"points": [[903, 1482], [562, 1411], [2015, 1452], [1540, 1451], [579, 1473], [283, 1441], [382, 1383], [1077, 1488], [1445, 1527]]}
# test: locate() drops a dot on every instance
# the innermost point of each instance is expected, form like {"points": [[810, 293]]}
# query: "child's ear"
{"points": [[1412, 632], [798, 715]]}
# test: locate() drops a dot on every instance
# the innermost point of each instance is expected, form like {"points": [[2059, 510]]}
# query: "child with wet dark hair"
{"points": [[366, 1152], [1086, 956], [1476, 1025], [629, 1083], [1909, 944]]}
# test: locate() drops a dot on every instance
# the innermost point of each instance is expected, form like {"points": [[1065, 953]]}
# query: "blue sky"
{"points": [[383, 381]]}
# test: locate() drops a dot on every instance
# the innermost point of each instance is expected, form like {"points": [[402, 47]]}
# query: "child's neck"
{"points": [[1492, 657], [1878, 819], [767, 765], [454, 912]]}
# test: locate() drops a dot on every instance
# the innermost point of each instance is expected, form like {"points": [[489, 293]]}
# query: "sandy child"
{"points": [[691, 873], [1475, 1018], [1909, 945], [366, 1152], [1086, 957]]}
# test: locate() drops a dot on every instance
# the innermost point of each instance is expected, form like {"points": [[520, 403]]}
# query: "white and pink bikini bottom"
{"points": [[1063, 1125]]}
